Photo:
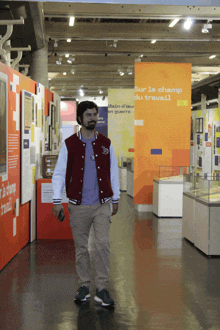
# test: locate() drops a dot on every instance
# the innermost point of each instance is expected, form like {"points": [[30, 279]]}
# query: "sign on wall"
{"points": [[121, 121]]}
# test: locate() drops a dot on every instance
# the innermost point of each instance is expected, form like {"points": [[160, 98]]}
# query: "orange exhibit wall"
{"points": [[162, 122], [12, 213], [14, 217], [48, 227]]}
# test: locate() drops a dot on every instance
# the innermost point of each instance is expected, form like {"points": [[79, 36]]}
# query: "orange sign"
{"points": [[162, 122]]}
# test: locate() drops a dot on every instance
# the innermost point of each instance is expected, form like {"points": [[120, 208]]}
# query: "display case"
{"points": [[168, 191], [201, 206], [130, 176], [191, 188], [122, 170], [48, 165]]}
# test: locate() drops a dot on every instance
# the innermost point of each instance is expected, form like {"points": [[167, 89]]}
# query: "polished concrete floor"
{"points": [[158, 280]]}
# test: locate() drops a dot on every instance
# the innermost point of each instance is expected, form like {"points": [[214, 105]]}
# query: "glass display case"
{"points": [[209, 191], [197, 186], [172, 173], [130, 164]]}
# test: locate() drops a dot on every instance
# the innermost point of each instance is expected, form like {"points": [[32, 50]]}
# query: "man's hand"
{"points": [[56, 209], [114, 208]]}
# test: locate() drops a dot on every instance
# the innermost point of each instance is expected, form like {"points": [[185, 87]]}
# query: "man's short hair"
{"points": [[82, 107]]}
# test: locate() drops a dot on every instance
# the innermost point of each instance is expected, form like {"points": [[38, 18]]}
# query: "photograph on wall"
{"points": [[32, 108], [3, 123], [36, 114], [50, 138], [27, 112], [26, 137], [191, 135], [42, 115], [199, 125], [52, 114]]}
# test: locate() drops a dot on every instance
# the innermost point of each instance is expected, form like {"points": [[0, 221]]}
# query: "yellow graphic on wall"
{"points": [[121, 121]]}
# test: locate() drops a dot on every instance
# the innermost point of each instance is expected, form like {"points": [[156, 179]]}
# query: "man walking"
{"points": [[87, 165]]}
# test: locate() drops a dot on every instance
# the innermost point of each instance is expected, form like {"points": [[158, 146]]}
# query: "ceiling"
{"points": [[107, 39]]}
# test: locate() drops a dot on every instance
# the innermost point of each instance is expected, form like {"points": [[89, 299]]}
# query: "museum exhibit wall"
{"points": [[205, 143], [162, 120], [121, 121], [26, 113]]}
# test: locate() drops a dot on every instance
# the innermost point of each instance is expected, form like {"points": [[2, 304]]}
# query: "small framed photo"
{"points": [[199, 125]]}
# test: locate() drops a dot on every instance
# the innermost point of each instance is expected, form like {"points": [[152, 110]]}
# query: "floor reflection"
{"points": [[159, 281]]}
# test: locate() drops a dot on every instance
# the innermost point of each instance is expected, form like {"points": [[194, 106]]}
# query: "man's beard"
{"points": [[91, 126]]}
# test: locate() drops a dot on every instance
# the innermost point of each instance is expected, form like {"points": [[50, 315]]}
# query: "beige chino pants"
{"points": [[82, 217]]}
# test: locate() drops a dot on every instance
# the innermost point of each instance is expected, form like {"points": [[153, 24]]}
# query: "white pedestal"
{"points": [[207, 228], [130, 183], [122, 178], [167, 198], [188, 222]]}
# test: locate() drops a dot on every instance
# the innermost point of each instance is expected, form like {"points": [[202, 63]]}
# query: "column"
{"points": [[39, 66]]}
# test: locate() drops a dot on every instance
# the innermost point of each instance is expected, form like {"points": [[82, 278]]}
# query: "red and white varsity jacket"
{"points": [[70, 170]]}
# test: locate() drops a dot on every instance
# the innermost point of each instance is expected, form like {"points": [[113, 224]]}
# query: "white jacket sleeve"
{"points": [[114, 176], [59, 175]]}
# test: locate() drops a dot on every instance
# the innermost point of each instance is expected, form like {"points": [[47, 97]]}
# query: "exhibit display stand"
{"points": [[168, 191], [130, 177], [201, 207], [48, 227], [122, 172]]}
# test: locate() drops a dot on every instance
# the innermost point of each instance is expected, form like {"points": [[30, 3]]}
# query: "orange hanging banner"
{"points": [[162, 122]]}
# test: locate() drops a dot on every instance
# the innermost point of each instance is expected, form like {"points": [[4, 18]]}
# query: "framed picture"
{"points": [[199, 125], [50, 138], [3, 126], [52, 115]]}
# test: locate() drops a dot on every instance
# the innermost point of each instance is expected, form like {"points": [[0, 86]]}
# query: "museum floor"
{"points": [[157, 279]]}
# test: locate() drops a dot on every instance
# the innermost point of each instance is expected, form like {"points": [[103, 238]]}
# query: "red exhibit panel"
{"points": [[48, 227]]}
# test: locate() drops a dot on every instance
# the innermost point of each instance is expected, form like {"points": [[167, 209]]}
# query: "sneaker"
{"points": [[82, 294], [104, 298]]}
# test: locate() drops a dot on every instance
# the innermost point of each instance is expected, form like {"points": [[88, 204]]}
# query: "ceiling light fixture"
{"points": [[81, 92], [212, 56], [67, 55], [206, 27], [72, 71], [69, 61], [173, 23], [58, 62], [100, 92], [71, 21], [68, 40], [188, 24], [64, 73], [55, 43], [153, 41]]}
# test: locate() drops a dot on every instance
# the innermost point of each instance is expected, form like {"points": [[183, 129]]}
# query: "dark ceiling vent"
{"points": [[84, 20], [59, 19], [117, 20]]}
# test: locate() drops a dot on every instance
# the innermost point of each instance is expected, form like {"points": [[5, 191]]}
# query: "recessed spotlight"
{"points": [[153, 41], [67, 55], [188, 24], [64, 73], [68, 40], [212, 56]]}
